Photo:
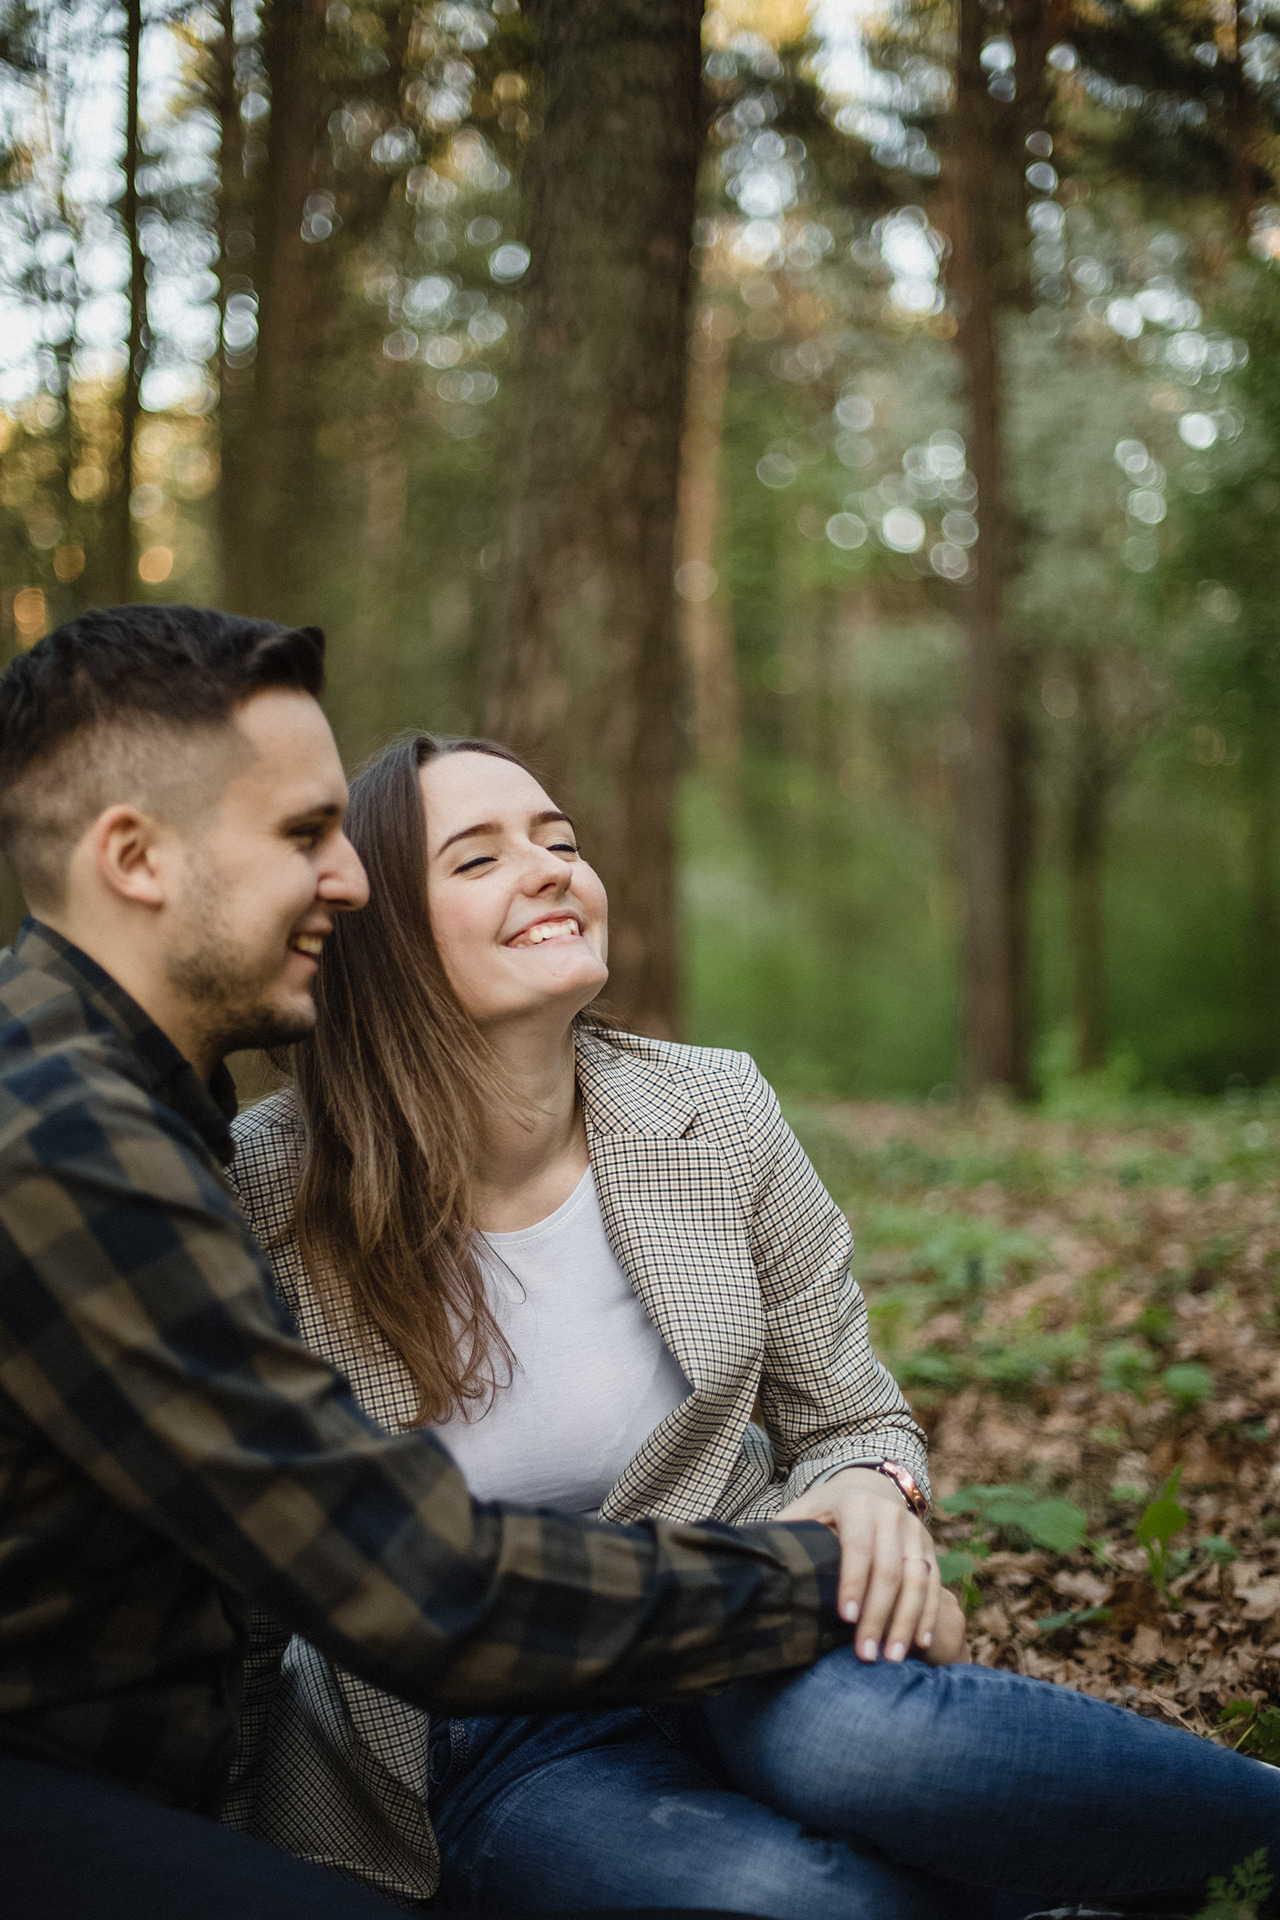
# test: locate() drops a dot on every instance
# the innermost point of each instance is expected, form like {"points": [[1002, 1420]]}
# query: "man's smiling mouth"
{"points": [[312, 944], [543, 930]]}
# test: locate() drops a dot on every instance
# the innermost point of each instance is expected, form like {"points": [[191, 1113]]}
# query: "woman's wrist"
{"points": [[893, 1471]]}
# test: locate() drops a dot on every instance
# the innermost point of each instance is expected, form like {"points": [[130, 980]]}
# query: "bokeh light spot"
{"points": [[902, 529]]}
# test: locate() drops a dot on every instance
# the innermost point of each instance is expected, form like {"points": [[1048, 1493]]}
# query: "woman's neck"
{"points": [[534, 1155]]}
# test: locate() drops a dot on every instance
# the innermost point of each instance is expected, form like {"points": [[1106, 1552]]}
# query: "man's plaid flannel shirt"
{"points": [[170, 1456]]}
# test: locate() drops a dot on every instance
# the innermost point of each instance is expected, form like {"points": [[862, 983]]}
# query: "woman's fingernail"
{"points": [[897, 1651], [926, 1639], [869, 1649], [849, 1610]]}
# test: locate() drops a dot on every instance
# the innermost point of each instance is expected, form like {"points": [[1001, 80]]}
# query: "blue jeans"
{"points": [[850, 1792]]}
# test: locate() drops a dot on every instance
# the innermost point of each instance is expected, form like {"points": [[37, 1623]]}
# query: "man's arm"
{"points": [[136, 1333]]}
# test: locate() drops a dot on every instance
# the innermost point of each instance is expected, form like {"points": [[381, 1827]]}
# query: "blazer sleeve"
{"points": [[828, 1402]]}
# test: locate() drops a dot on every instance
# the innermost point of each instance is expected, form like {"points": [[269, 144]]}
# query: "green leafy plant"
{"points": [[958, 1569], [1126, 1368], [1256, 1729], [1033, 1360], [1023, 1516], [1241, 1897], [1188, 1383], [1162, 1520], [1218, 1551]]}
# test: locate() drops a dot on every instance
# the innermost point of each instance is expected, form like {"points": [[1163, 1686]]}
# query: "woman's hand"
{"points": [[889, 1584]]}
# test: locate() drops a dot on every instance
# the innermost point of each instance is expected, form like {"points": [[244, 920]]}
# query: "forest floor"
{"points": [[1079, 1304]]}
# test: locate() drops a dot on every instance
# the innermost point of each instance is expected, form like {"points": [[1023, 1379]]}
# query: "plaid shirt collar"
{"points": [[209, 1108]]}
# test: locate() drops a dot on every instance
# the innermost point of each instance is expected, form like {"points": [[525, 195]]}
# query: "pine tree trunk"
{"points": [[993, 1053], [235, 382], [1264, 921], [273, 508], [586, 679], [119, 579], [706, 637], [1086, 865], [1240, 127]]}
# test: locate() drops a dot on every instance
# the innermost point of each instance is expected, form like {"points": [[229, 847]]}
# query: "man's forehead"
{"points": [[295, 768]]}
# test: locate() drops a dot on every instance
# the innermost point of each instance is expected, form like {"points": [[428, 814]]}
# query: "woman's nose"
{"points": [[544, 870]]}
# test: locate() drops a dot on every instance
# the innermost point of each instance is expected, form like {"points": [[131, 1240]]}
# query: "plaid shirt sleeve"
{"points": [[139, 1338]]}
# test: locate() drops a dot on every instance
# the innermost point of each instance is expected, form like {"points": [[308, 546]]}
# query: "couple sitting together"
{"points": [[467, 1470]]}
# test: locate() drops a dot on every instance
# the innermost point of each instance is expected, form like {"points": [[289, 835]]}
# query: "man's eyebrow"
{"points": [[322, 810], [543, 819]]}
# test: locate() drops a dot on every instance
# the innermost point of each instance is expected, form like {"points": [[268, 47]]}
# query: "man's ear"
{"points": [[124, 846]]}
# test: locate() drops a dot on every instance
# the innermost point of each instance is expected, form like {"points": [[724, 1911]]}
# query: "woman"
{"points": [[581, 1256]]}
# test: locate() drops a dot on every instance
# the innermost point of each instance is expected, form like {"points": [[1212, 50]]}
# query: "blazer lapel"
{"points": [[681, 1233]]}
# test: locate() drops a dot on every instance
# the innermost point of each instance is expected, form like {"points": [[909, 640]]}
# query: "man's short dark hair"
{"points": [[102, 708]]}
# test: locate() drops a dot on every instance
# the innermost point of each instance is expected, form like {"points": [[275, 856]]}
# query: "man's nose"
{"points": [[345, 884]]}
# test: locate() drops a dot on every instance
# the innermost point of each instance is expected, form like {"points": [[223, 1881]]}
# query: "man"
{"points": [[172, 803]]}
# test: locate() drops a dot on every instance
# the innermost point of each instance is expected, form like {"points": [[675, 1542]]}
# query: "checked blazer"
{"points": [[741, 1259]]}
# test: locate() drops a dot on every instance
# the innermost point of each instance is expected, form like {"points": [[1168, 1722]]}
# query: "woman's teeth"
{"points": [[309, 943], [547, 930]]}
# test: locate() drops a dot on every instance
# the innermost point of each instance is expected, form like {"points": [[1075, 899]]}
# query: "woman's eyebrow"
{"points": [[543, 819]]}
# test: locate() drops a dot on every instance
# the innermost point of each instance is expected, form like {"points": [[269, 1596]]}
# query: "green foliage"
{"points": [[1022, 1516], [1217, 1550], [958, 1569], [1241, 1897], [1189, 1384], [1162, 1520], [1257, 1729], [1126, 1367]]}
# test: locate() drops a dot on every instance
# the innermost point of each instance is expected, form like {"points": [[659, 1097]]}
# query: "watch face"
{"points": [[904, 1481]]}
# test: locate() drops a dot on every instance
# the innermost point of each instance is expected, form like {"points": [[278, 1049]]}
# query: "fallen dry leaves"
{"points": [[1038, 1282]]}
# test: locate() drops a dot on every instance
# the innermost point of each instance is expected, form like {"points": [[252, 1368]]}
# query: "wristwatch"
{"points": [[893, 1470]]}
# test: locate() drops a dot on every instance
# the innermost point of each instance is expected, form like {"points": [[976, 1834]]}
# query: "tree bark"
{"points": [[273, 505], [1086, 865], [1264, 920], [235, 383], [993, 1053], [119, 575], [1240, 128], [706, 638], [586, 679]]}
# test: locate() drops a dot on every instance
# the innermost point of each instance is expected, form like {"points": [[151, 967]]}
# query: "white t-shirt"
{"points": [[592, 1378]]}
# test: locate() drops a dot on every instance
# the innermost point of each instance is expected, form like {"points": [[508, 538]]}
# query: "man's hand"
{"points": [[889, 1584]]}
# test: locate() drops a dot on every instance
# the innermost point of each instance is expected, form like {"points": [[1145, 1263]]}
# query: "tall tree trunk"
{"points": [[119, 576], [372, 658], [1086, 865], [992, 986], [1240, 125], [235, 381], [586, 664], [1264, 918], [706, 637], [278, 461]]}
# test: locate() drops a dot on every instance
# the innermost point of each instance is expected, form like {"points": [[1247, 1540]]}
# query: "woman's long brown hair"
{"points": [[393, 1090]]}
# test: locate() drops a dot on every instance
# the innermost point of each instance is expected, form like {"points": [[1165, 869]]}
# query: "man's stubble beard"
{"points": [[229, 993]]}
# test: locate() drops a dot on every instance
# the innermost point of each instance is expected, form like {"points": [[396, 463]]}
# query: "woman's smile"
{"points": [[553, 927]]}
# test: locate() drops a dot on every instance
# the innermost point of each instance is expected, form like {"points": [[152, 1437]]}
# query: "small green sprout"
{"points": [[1163, 1518]]}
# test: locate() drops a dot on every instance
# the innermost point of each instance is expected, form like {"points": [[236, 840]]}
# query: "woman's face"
{"points": [[520, 920]]}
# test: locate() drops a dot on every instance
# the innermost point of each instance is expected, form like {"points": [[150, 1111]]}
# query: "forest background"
{"points": [[840, 444]]}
